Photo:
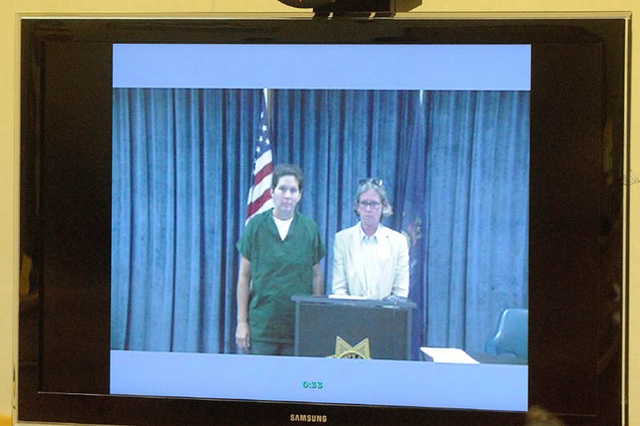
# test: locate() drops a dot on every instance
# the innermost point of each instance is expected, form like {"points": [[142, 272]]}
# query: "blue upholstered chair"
{"points": [[512, 336]]}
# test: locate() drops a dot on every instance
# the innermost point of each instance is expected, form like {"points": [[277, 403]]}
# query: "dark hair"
{"points": [[287, 170], [538, 416]]}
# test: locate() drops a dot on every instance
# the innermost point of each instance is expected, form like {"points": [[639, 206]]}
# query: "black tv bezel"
{"points": [[576, 217]]}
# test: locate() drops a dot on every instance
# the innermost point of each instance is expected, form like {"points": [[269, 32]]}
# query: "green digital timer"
{"points": [[313, 385]]}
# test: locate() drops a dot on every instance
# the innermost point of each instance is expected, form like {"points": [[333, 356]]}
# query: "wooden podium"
{"points": [[350, 328]]}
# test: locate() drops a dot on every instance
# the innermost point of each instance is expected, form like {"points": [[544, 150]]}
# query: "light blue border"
{"points": [[346, 381], [393, 67]]}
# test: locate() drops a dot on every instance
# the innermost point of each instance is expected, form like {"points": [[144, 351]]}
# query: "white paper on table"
{"points": [[450, 355]]}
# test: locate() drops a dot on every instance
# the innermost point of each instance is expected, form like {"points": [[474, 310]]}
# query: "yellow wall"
{"points": [[9, 102]]}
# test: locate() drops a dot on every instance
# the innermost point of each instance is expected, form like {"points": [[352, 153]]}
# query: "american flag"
{"points": [[260, 191]]}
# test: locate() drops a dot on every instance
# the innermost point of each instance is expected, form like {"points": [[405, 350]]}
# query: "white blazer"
{"points": [[389, 264]]}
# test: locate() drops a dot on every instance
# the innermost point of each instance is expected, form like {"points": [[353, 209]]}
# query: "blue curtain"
{"points": [[411, 213], [338, 138], [181, 165], [456, 162], [477, 214]]}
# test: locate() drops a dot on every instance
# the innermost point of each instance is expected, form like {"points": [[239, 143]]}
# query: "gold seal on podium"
{"points": [[345, 350]]}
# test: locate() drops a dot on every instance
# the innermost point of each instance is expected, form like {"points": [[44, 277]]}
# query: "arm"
{"points": [[243, 333], [339, 285], [318, 282], [401, 280]]}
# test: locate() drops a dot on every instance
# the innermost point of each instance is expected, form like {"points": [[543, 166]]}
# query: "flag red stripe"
{"points": [[255, 206], [266, 170]]}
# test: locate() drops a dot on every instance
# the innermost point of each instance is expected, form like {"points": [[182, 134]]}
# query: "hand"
{"points": [[392, 298], [243, 335]]}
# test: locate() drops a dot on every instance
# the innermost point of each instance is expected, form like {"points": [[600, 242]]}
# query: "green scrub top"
{"points": [[279, 269]]}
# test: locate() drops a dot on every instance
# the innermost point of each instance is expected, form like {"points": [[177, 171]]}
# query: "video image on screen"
{"points": [[443, 270]]}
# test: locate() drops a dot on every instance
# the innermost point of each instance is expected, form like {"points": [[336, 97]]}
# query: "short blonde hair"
{"points": [[377, 185]]}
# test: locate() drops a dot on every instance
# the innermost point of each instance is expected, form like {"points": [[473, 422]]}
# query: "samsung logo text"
{"points": [[309, 418]]}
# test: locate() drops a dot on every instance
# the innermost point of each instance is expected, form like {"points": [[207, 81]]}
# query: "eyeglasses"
{"points": [[373, 180], [374, 205]]}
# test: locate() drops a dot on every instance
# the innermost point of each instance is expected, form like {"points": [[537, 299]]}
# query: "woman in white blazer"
{"points": [[371, 260]]}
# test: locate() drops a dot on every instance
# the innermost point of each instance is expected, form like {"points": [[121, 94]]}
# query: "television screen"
{"points": [[452, 148], [338, 221]]}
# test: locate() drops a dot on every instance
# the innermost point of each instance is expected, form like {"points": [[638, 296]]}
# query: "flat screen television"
{"points": [[148, 154]]}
